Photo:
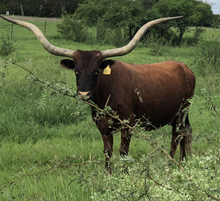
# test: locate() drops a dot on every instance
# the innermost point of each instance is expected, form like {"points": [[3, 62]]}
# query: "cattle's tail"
{"points": [[188, 130]]}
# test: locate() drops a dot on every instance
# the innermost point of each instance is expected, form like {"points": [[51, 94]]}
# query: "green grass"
{"points": [[50, 149]]}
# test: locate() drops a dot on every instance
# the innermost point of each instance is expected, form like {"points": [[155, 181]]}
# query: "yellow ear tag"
{"points": [[107, 70]]}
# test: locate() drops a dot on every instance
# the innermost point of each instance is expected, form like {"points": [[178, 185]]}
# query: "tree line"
{"points": [[119, 18], [39, 8], [123, 18]]}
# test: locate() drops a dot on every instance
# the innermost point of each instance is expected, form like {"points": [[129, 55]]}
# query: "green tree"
{"points": [[3, 6], [72, 29], [196, 13], [122, 18], [21, 6], [118, 15], [43, 8], [63, 5], [216, 22], [11, 5]]}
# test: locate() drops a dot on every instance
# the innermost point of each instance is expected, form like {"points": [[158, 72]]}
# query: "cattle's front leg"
{"points": [[125, 142], [108, 149]]}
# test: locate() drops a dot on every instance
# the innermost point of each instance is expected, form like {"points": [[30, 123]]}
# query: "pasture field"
{"points": [[50, 149]]}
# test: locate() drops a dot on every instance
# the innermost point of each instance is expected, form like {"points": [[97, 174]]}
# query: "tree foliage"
{"points": [[120, 18], [42, 8], [119, 14], [125, 17], [72, 29], [216, 21], [195, 13]]}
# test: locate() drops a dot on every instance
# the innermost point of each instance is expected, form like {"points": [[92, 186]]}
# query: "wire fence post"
{"points": [[45, 27], [12, 27]]}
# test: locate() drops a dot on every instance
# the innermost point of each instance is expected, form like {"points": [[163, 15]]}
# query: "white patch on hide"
{"points": [[139, 95]]}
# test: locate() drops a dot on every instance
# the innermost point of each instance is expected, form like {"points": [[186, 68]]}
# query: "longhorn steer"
{"points": [[157, 93]]}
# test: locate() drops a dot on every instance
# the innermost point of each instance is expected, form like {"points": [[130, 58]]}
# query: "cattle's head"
{"points": [[87, 64]]}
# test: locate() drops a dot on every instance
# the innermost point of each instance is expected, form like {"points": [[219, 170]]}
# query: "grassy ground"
{"points": [[50, 149]]}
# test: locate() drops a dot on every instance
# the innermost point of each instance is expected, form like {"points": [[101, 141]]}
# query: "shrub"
{"points": [[207, 60], [7, 45], [198, 181], [158, 45], [72, 28], [115, 37], [195, 38]]}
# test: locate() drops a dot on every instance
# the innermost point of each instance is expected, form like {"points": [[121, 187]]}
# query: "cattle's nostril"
{"points": [[85, 95]]}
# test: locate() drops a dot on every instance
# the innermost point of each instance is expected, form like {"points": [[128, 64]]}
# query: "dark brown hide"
{"points": [[156, 93]]}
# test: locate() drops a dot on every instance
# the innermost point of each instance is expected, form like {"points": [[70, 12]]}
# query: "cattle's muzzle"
{"points": [[84, 95]]}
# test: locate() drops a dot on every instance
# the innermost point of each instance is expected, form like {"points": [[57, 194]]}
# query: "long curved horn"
{"points": [[40, 36], [132, 44]]}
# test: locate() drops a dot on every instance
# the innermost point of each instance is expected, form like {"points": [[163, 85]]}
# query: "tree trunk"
{"points": [[97, 31], [62, 9], [130, 33], [181, 36], [22, 11], [118, 32], [100, 30]]}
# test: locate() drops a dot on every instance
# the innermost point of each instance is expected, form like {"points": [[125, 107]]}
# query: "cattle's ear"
{"points": [[106, 63], [67, 63]]}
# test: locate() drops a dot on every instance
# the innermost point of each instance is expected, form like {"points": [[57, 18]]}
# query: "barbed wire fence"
{"points": [[48, 26]]}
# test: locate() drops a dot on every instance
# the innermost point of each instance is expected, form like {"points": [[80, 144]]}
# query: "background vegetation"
{"points": [[120, 22], [40, 8], [50, 149]]}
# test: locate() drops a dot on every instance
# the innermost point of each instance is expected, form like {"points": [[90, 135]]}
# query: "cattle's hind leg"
{"points": [[182, 137], [178, 135], [175, 138], [125, 142], [108, 149], [188, 131], [181, 133]]}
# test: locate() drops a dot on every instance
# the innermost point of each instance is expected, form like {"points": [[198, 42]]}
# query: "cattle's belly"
{"points": [[153, 119]]}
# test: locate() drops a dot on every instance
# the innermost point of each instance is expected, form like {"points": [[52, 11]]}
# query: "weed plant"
{"points": [[207, 59], [162, 181], [7, 45], [50, 149]]}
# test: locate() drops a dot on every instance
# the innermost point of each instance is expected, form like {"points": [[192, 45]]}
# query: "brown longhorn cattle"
{"points": [[156, 93]]}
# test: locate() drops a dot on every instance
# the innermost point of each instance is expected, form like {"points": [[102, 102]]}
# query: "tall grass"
{"points": [[50, 149]]}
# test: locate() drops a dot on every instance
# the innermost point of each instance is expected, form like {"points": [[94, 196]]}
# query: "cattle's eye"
{"points": [[97, 72]]}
